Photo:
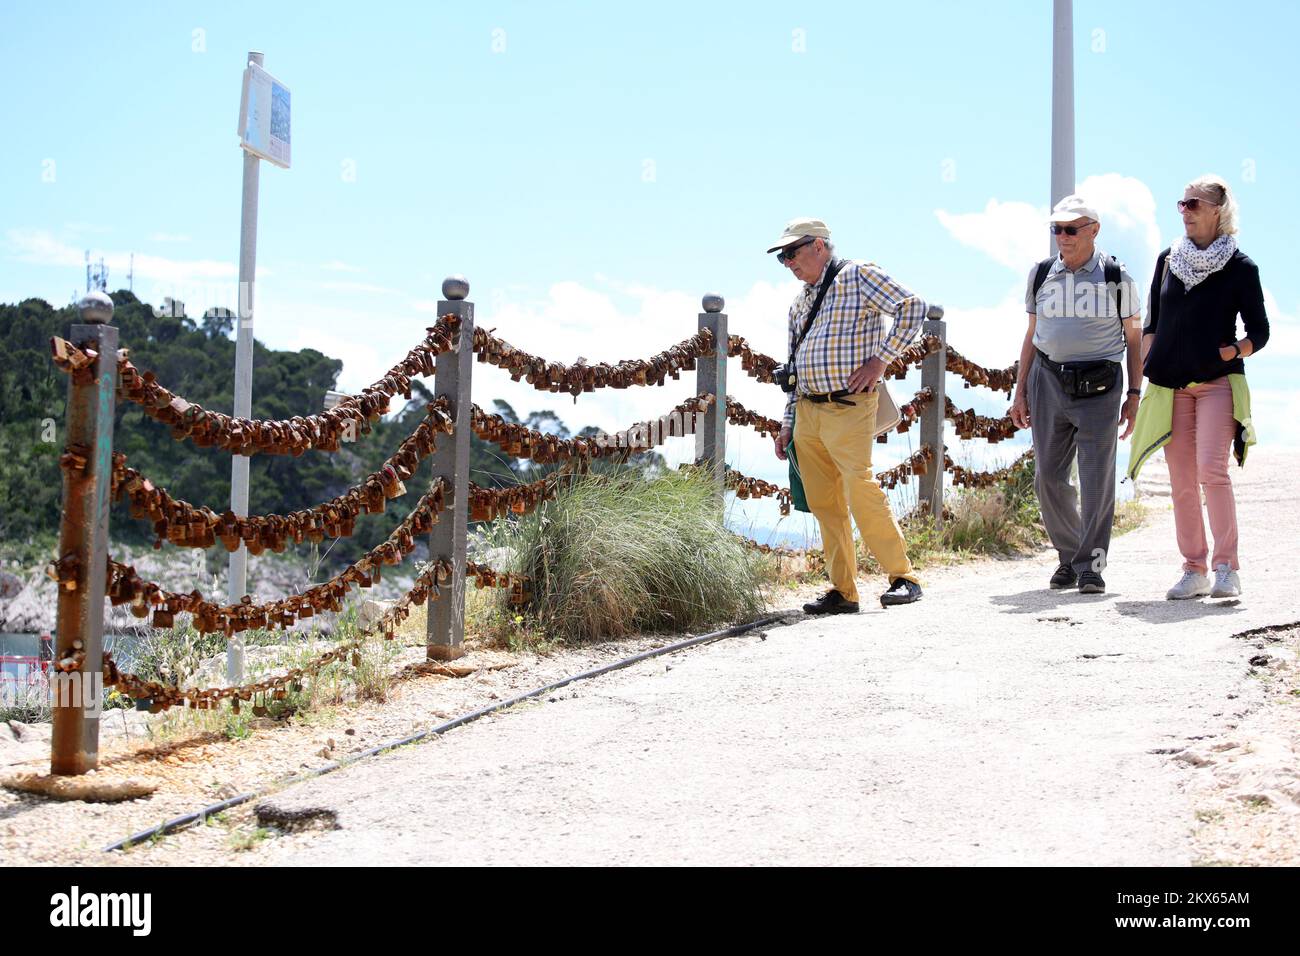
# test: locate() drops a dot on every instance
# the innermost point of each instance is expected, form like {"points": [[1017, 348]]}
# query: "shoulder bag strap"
{"points": [[832, 271]]}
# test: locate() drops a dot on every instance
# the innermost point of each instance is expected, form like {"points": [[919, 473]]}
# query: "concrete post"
{"points": [[933, 371], [452, 379], [711, 379], [77, 695], [1062, 104]]}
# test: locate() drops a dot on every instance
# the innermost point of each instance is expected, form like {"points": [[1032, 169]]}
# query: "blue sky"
{"points": [[594, 168]]}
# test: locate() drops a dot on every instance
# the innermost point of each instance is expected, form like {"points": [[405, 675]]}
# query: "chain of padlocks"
{"points": [[186, 525]]}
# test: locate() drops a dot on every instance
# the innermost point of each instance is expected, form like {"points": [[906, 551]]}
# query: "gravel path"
{"points": [[996, 722]]}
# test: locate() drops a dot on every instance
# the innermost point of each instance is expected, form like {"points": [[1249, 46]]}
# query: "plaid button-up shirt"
{"points": [[849, 328]]}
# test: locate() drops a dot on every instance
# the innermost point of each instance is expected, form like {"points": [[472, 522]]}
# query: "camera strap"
{"points": [[832, 270]]}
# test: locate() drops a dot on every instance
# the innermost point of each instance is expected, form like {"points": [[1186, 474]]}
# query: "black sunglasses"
{"points": [[1193, 204], [1057, 229], [789, 252]]}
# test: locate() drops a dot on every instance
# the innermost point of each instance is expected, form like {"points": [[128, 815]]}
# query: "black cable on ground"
{"points": [[177, 823]]}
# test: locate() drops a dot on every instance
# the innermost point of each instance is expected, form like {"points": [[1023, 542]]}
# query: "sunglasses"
{"points": [[789, 252], [1057, 229], [1193, 204]]}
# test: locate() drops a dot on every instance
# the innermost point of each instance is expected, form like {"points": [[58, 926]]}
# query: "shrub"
{"points": [[620, 554]]}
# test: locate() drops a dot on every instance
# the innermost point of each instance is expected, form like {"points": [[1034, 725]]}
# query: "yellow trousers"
{"points": [[833, 444]]}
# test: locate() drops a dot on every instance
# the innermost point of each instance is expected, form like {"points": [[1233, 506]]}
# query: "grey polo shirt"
{"points": [[1076, 317]]}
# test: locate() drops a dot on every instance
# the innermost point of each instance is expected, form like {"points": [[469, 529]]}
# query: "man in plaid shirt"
{"points": [[837, 366]]}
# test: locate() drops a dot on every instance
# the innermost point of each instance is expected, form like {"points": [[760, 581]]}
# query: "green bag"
{"points": [[797, 497]]}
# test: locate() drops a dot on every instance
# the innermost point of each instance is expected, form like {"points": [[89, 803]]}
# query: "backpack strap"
{"points": [[1114, 279], [832, 271], [1040, 276]]}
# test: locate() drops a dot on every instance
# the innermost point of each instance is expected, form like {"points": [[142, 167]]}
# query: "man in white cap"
{"points": [[1070, 389], [836, 361]]}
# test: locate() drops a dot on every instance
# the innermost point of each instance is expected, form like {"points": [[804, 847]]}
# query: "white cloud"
{"points": [[1014, 233], [989, 334], [199, 283], [41, 248], [1128, 209], [1276, 414], [1275, 406], [1283, 332], [1011, 233], [335, 265]]}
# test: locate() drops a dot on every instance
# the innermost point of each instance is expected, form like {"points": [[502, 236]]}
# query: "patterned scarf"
{"points": [[1193, 265]]}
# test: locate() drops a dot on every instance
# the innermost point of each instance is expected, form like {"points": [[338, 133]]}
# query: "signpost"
{"points": [[264, 114], [263, 134]]}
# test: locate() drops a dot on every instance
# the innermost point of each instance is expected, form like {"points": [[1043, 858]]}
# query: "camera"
{"points": [[784, 376]]}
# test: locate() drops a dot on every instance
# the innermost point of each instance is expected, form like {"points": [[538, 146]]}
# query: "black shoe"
{"points": [[832, 602], [901, 591], [1090, 582], [1064, 577]]}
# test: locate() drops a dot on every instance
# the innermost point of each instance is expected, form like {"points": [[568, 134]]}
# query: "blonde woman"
{"points": [[1196, 399]]}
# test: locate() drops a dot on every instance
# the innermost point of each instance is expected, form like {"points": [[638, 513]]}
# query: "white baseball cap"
{"points": [[1071, 208], [797, 229]]}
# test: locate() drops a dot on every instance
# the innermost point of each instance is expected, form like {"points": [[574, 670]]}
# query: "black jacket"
{"points": [[1191, 325]]}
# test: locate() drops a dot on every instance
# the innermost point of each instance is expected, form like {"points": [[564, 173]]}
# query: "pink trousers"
{"points": [[1197, 455]]}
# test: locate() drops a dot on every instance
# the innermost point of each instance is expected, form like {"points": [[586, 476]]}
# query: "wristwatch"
{"points": [[1134, 391], [1236, 352]]}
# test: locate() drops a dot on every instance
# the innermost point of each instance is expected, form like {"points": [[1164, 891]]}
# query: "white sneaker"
{"points": [[1226, 582], [1190, 585]]}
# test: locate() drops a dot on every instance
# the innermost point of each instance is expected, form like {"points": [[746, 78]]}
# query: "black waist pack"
{"points": [[1084, 379]]}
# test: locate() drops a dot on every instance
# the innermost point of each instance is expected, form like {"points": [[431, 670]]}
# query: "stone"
{"points": [[372, 611], [28, 733]]}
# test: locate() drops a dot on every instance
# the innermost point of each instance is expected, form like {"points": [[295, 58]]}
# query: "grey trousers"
{"points": [[1063, 426]]}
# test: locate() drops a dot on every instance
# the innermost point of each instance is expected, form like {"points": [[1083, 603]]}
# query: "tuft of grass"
{"points": [[619, 554], [181, 651], [248, 838], [27, 703], [174, 655], [1129, 516]]}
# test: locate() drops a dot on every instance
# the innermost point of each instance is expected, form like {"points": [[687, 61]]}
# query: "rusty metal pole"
{"points": [[933, 369], [83, 546], [445, 632], [711, 379]]}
